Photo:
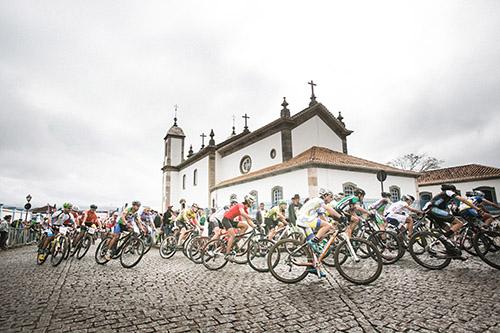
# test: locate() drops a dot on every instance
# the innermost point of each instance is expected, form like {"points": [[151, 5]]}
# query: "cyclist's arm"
{"points": [[360, 209], [282, 218], [332, 212], [465, 201], [418, 211], [489, 203], [247, 217]]}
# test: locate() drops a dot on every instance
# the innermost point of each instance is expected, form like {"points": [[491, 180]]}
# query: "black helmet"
{"points": [[448, 187], [386, 195], [469, 194], [359, 191], [93, 206]]}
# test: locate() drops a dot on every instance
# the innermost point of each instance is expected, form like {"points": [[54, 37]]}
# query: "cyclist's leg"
{"points": [[409, 223], [324, 227], [354, 222], [182, 235], [243, 227]]}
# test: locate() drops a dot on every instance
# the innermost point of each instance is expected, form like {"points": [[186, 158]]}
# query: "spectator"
{"points": [[4, 231], [293, 209], [168, 221], [261, 213]]}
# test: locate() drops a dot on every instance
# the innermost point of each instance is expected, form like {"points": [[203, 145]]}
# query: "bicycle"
{"points": [[486, 244], [130, 250], [58, 248], [349, 258], [83, 245]]}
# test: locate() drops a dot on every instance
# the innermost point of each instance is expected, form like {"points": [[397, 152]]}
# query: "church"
{"points": [[294, 154]]}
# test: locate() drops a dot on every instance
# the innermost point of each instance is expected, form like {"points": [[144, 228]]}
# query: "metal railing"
{"points": [[22, 236]]}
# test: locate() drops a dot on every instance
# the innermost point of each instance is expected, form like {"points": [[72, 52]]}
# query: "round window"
{"points": [[245, 164], [273, 153]]}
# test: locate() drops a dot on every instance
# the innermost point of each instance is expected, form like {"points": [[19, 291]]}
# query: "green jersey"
{"points": [[273, 213], [347, 203]]}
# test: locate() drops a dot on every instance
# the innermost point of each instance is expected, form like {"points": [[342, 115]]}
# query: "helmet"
{"points": [[323, 192], [182, 201], [233, 200], [93, 206], [386, 195], [359, 191], [282, 202], [249, 199], [470, 194], [479, 194], [408, 197], [76, 208], [195, 206], [136, 203], [67, 205], [448, 187]]}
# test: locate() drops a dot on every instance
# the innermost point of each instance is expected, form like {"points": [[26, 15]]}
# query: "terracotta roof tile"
{"points": [[318, 156], [458, 174]]}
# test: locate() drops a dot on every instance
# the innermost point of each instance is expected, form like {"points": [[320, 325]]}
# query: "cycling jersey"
{"points": [[130, 216], [186, 216], [442, 200], [347, 204], [61, 218], [91, 217], [234, 211], [472, 200], [273, 213], [397, 213], [380, 205]]}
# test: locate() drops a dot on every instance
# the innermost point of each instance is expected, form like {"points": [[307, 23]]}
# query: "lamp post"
{"points": [[27, 206]]}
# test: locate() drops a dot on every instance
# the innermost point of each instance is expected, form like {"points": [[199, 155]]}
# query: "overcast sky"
{"points": [[87, 88]]}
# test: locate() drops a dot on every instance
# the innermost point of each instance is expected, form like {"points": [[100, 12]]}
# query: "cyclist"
{"points": [[438, 210], [126, 222], [398, 213], [147, 221], [232, 226], [276, 218], [88, 219], [61, 217], [378, 209], [185, 220], [216, 219], [477, 198], [352, 205]]}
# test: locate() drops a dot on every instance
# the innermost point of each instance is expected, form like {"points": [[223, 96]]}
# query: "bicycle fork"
{"points": [[351, 250]]}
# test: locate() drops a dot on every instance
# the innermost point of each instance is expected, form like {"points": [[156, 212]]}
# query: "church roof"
{"points": [[460, 173], [319, 157], [175, 131]]}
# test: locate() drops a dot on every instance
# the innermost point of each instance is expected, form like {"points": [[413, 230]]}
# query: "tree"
{"points": [[416, 162]]}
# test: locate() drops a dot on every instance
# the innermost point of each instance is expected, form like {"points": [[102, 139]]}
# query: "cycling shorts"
{"points": [[396, 219], [441, 215], [229, 224], [119, 228], [470, 212]]}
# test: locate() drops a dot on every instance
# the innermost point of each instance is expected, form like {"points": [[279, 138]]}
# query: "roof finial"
{"points": [[313, 97], [212, 141], [175, 114], [190, 152], [340, 118], [234, 128], [203, 136], [246, 117], [285, 113]]}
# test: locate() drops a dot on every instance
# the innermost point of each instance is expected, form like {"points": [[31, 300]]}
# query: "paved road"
{"points": [[177, 296]]}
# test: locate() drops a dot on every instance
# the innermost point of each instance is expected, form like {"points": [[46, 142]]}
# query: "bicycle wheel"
{"points": [[196, 248], [289, 267], [132, 252], [185, 247], [356, 268], [466, 241], [213, 255], [240, 246], [58, 252], [388, 244], [148, 243], [102, 249], [428, 250], [257, 254], [487, 246], [84, 247], [168, 247]]}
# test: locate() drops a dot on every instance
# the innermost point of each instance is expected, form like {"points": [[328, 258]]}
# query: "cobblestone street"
{"points": [[178, 296]]}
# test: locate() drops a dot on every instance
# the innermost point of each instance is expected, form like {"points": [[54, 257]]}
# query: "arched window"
{"points": [[489, 192], [184, 182], [276, 194], [349, 188], [425, 197], [395, 193], [195, 177], [255, 194]]}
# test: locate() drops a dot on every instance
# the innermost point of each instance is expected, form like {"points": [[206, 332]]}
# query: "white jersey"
{"points": [[309, 211], [400, 208], [218, 215]]}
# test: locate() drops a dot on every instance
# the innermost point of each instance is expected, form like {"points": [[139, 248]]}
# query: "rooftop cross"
{"points": [[246, 124], [175, 114], [313, 97], [234, 128], [203, 136]]}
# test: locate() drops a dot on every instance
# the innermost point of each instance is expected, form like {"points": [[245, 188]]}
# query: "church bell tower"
{"points": [[174, 155]]}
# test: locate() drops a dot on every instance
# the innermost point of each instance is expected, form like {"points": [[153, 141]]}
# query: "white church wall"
{"points": [[192, 193], [334, 180], [228, 167], [294, 182], [465, 186], [314, 132], [175, 151]]}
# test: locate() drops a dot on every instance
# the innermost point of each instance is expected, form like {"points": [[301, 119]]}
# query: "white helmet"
{"points": [[249, 199]]}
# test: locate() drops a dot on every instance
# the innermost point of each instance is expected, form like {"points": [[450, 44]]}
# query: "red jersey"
{"points": [[234, 211], [91, 216]]}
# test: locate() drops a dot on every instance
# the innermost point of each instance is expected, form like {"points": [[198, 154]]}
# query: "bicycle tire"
{"points": [[214, 250], [241, 252], [133, 244], [374, 255], [58, 251], [278, 251], [148, 243], [483, 241], [168, 247], [101, 250], [196, 248], [83, 247], [388, 244], [257, 254], [426, 239]]}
